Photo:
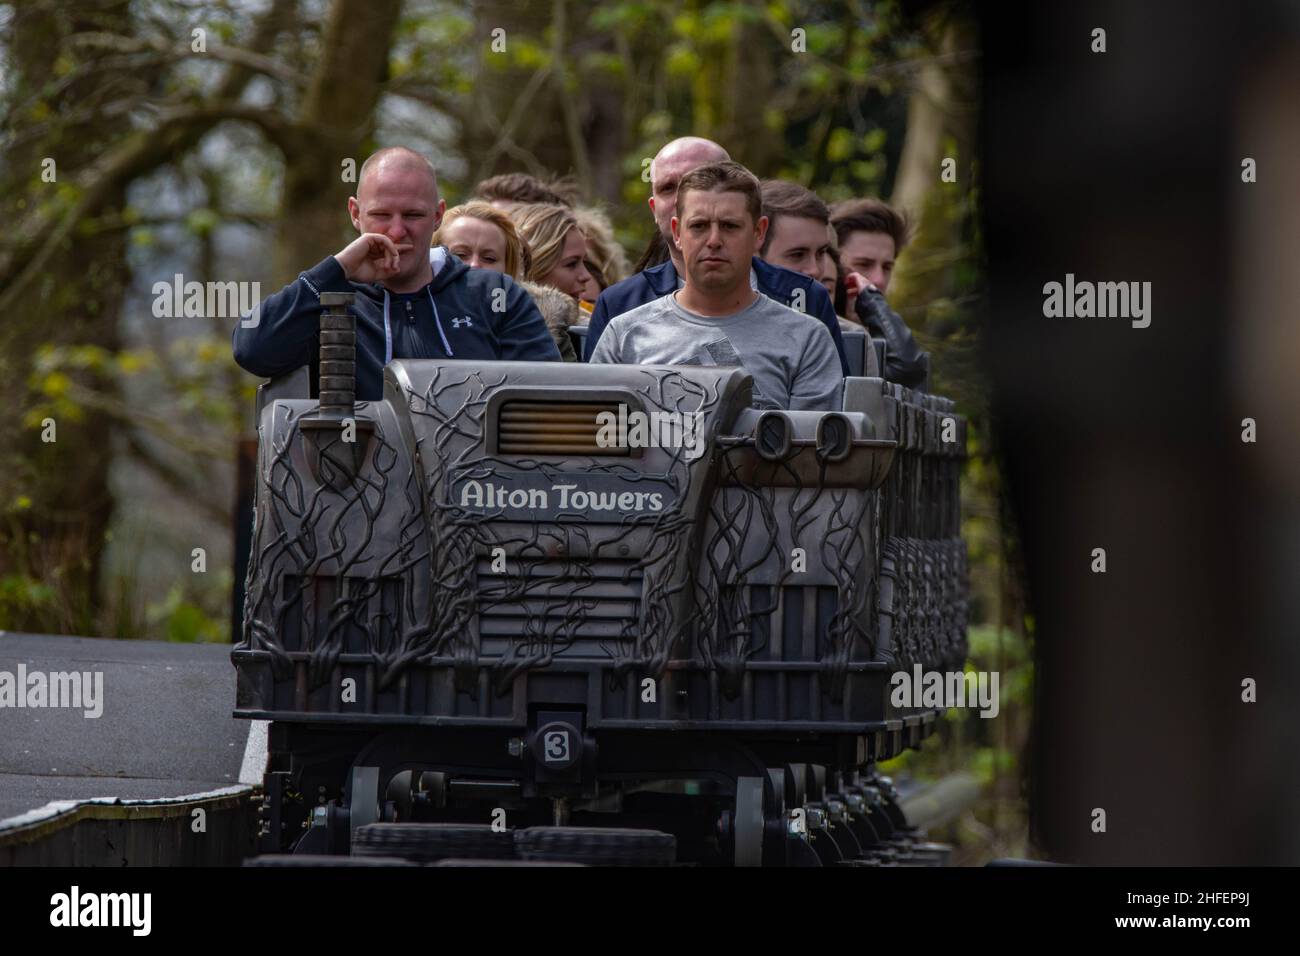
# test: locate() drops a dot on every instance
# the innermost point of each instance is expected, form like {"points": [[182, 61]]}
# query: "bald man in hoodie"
{"points": [[411, 301]]}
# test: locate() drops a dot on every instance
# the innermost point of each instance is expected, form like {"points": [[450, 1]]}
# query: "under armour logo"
{"points": [[466, 320]]}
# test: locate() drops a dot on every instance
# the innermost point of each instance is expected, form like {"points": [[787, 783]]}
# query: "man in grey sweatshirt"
{"points": [[717, 317]]}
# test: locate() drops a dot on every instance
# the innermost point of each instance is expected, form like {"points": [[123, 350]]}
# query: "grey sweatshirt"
{"points": [[790, 356]]}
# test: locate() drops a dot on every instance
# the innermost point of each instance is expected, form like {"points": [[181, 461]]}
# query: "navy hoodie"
{"points": [[463, 313]]}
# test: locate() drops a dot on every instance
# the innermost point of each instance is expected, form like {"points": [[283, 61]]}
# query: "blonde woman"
{"points": [[556, 245], [484, 237], [557, 249], [606, 260]]}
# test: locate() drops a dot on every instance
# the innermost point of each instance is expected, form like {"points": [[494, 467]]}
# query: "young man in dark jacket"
{"points": [[789, 288], [871, 235], [412, 302]]}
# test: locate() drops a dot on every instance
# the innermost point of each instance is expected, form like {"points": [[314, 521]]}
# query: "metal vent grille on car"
{"points": [[547, 597], [527, 427]]}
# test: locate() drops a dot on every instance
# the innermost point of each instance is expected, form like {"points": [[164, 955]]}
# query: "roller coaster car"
{"points": [[504, 613]]}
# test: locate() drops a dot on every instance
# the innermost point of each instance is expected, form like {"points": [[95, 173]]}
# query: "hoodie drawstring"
{"points": [[438, 321], [388, 329]]}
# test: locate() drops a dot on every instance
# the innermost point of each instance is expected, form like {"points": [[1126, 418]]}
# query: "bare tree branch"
{"points": [[104, 224], [167, 51], [94, 113], [422, 90], [140, 152], [177, 480], [182, 438], [136, 155], [506, 135]]}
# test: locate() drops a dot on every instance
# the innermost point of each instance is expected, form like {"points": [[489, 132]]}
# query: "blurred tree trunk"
{"points": [[62, 283], [747, 135], [941, 106], [336, 122], [57, 503], [606, 141], [930, 114]]}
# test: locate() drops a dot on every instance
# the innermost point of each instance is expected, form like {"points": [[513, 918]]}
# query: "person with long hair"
{"points": [[557, 247], [484, 237], [605, 259], [654, 254]]}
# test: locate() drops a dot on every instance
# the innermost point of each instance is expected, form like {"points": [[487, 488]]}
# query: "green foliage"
{"points": [[992, 749], [22, 597], [182, 620], [526, 54], [597, 62], [201, 222], [624, 17], [682, 61]]}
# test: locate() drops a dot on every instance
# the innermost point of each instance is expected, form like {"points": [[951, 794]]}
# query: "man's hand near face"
{"points": [[905, 362], [856, 282], [371, 257]]}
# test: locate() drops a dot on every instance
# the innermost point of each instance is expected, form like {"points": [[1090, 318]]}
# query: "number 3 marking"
{"points": [[557, 746]]}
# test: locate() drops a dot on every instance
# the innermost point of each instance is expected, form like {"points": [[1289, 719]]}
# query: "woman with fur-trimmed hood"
{"points": [[558, 256], [484, 237]]}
